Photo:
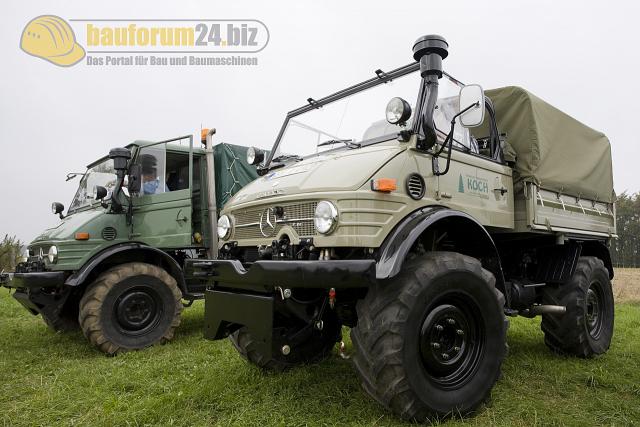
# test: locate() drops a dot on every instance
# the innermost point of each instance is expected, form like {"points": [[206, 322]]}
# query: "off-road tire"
{"points": [[390, 345], [313, 350], [577, 332], [105, 308]]}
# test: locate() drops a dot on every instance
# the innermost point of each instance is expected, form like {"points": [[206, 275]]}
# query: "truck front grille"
{"points": [[264, 222]]}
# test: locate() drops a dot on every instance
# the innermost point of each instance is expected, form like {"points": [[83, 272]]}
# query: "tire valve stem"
{"points": [[332, 297], [286, 350]]}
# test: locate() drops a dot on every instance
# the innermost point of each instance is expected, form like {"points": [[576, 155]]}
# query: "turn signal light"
{"points": [[203, 135], [384, 185], [82, 236]]}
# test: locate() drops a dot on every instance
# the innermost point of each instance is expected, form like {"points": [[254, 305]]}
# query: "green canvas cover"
{"points": [[232, 171], [553, 150]]}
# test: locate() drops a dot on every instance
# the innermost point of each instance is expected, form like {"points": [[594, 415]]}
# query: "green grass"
{"points": [[49, 379]]}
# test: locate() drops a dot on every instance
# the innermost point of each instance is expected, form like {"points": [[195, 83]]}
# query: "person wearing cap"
{"points": [[150, 180]]}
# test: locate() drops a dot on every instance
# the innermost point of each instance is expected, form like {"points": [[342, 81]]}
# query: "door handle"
{"points": [[182, 218], [502, 190]]}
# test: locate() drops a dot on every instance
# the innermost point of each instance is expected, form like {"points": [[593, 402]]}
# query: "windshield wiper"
{"points": [[284, 157], [348, 142]]}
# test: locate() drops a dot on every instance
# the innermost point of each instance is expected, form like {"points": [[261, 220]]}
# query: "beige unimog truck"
{"points": [[420, 213]]}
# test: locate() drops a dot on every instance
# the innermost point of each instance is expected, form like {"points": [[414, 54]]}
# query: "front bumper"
{"points": [[41, 279], [38, 292], [264, 276], [240, 296]]}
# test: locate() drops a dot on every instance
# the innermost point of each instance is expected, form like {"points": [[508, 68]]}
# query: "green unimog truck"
{"points": [[113, 266], [420, 213]]}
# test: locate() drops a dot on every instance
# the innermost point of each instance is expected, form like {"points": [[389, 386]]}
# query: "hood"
{"points": [[335, 171], [69, 225]]}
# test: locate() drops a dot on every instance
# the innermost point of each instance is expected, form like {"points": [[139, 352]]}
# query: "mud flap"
{"points": [[225, 312]]}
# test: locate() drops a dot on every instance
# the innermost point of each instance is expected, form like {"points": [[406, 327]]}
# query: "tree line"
{"points": [[625, 250]]}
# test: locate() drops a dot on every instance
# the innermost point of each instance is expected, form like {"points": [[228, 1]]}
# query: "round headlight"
{"points": [[24, 257], [224, 227], [254, 156], [325, 217], [53, 254], [398, 111]]}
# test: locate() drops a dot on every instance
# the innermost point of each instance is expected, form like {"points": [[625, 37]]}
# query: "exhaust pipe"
{"points": [[537, 310], [429, 51], [211, 197]]}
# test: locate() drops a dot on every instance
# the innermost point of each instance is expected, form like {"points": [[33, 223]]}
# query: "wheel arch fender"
{"points": [[599, 250], [127, 252], [470, 236]]}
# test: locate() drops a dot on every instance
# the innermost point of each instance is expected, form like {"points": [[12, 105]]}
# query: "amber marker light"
{"points": [[384, 185], [82, 236]]}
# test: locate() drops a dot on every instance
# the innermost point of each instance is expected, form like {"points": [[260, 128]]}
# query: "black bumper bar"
{"points": [[265, 275], [43, 279]]}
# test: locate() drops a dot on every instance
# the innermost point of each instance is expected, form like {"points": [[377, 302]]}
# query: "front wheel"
{"points": [[129, 307], [431, 341]]}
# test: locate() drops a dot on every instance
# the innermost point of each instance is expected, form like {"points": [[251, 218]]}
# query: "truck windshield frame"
{"points": [[100, 172], [380, 79]]}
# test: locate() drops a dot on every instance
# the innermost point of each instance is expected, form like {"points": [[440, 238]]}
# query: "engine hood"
{"points": [[69, 225], [341, 170]]}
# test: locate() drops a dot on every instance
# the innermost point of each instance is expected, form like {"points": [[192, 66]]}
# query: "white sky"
{"points": [[582, 57]]}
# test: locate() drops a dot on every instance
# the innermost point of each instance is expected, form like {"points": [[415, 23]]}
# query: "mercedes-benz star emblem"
{"points": [[268, 222]]}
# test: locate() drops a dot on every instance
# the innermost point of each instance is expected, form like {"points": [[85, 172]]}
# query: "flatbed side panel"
{"points": [[551, 211]]}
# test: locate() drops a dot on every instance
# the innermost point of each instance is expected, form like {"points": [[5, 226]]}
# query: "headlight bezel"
{"points": [[52, 254], [332, 219], [224, 221]]}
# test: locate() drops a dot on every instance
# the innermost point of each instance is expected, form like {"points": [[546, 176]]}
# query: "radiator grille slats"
{"points": [[298, 216]]}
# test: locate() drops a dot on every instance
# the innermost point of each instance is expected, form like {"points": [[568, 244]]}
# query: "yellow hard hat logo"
{"points": [[51, 38]]}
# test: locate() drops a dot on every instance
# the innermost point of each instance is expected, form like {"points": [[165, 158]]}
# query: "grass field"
{"points": [[50, 379]]}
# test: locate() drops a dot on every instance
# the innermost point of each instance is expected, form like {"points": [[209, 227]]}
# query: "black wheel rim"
{"points": [[594, 309], [138, 310], [452, 341]]}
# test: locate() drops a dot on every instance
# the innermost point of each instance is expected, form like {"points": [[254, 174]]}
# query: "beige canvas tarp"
{"points": [[554, 150]]}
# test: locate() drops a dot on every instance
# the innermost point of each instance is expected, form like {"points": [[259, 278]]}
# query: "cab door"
{"points": [[479, 186], [162, 211]]}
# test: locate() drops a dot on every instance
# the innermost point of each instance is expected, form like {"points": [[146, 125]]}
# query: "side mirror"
{"points": [[471, 95], [135, 179]]}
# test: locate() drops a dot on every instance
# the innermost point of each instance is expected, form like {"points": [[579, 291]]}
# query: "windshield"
{"points": [[100, 174], [358, 119]]}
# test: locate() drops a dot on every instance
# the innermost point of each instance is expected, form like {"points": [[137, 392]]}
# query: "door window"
{"points": [[162, 171]]}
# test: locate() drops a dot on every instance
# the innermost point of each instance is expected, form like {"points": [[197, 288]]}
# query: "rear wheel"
{"points": [[305, 343], [586, 328], [129, 307], [430, 342]]}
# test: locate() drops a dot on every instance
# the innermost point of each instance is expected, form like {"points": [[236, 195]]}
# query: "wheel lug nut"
{"points": [[445, 356], [439, 328], [456, 349], [435, 345], [451, 321], [460, 332]]}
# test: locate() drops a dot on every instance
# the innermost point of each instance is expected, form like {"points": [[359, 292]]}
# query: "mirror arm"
{"points": [[449, 141]]}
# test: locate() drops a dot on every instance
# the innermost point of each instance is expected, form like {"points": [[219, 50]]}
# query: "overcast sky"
{"points": [[582, 57]]}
